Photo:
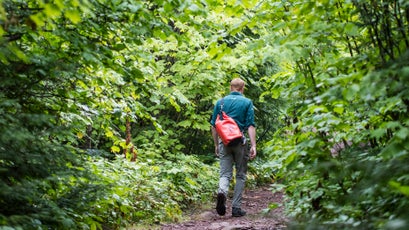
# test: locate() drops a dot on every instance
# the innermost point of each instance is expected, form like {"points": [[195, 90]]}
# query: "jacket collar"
{"points": [[235, 93]]}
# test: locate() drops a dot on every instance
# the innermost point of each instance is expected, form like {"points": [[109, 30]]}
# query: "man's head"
{"points": [[237, 85]]}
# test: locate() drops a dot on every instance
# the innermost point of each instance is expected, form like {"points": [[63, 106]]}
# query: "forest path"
{"points": [[254, 202]]}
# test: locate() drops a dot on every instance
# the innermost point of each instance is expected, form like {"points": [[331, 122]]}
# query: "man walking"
{"points": [[241, 110]]}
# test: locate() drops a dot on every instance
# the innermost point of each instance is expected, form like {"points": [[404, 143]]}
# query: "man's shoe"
{"points": [[221, 204], [237, 212]]}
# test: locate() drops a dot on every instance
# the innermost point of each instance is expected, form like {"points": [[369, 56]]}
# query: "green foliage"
{"points": [[42, 180], [346, 113], [150, 192], [79, 76], [328, 80]]}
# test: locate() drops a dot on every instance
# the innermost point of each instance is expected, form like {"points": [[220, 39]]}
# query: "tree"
{"points": [[347, 110], [80, 78]]}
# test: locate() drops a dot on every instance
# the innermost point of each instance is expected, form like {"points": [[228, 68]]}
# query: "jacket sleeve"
{"points": [[250, 115]]}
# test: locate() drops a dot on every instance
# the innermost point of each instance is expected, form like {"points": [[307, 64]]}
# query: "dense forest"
{"points": [[105, 108]]}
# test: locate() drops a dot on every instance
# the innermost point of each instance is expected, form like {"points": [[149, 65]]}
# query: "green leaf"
{"points": [[339, 110], [73, 16], [212, 50], [403, 133], [115, 149], [185, 123], [290, 158], [378, 133], [52, 10], [351, 29], [350, 92], [318, 109], [404, 189], [190, 181]]}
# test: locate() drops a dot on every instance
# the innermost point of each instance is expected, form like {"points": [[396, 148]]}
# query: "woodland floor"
{"points": [[254, 202]]}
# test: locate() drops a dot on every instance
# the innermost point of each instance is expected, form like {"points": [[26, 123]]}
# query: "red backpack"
{"points": [[227, 128]]}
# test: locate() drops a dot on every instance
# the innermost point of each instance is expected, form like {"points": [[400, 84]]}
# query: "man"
{"points": [[241, 110]]}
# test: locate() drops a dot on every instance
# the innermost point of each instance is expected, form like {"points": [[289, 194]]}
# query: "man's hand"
{"points": [[216, 141], [253, 152], [252, 135], [216, 150]]}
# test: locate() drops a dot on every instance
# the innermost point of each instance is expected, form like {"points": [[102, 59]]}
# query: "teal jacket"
{"points": [[237, 107]]}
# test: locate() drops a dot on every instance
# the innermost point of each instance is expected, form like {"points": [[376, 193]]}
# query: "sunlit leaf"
{"points": [[404, 189], [73, 16]]}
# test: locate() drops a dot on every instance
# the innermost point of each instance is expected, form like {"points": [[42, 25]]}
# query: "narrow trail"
{"points": [[254, 202]]}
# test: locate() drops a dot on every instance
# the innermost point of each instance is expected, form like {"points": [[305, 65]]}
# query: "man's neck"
{"points": [[237, 91]]}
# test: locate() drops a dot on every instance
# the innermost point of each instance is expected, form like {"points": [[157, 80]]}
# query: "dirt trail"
{"points": [[254, 202]]}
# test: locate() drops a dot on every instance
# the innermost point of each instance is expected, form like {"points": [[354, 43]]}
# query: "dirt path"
{"points": [[254, 202]]}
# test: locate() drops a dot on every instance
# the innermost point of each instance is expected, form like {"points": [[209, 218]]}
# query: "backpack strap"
{"points": [[221, 109]]}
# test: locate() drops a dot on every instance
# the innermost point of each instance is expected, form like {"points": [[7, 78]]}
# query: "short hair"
{"points": [[237, 84]]}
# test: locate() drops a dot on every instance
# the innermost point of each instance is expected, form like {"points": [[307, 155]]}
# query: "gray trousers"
{"points": [[229, 156]]}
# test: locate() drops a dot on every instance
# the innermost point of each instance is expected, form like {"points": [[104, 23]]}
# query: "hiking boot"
{"points": [[221, 204], [237, 212]]}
